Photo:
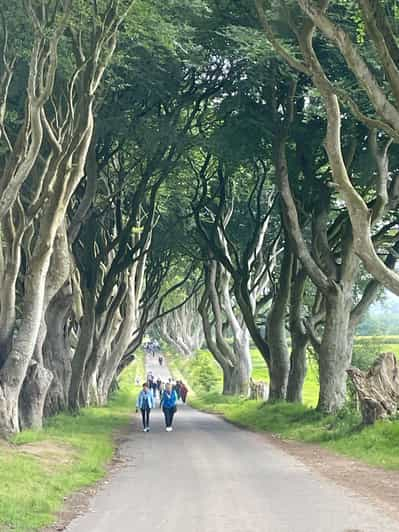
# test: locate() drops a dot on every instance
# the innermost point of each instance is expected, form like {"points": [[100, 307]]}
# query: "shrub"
{"points": [[204, 373], [365, 352]]}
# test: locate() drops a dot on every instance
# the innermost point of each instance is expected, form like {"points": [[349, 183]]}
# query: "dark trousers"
{"points": [[145, 414], [169, 413]]}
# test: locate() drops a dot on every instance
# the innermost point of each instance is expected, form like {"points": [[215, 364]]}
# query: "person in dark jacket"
{"points": [[183, 392], [145, 402], [168, 403], [176, 388], [154, 388]]}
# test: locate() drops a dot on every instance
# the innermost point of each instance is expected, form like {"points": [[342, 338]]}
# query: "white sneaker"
{"points": [[168, 429], [144, 430]]}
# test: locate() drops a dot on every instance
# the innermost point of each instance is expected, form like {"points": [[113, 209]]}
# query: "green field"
{"points": [[40, 468], [311, 387], [188, 369]]}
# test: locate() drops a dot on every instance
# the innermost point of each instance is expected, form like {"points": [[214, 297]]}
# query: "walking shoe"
{"points": [[148, 429], [144, 429], [168, 429]]}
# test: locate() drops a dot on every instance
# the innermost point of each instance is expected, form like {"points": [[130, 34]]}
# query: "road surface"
{"points": [[209, 476]]}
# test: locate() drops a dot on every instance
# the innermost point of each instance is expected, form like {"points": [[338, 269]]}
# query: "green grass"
{"points": [[377, 445], [391, 347], [185, 369], [259, 369], [311, 386], [386, 339], [32, 487]]}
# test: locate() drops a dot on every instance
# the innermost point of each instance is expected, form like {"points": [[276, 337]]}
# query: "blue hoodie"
{"points": [[169, 400], [142, 396]]}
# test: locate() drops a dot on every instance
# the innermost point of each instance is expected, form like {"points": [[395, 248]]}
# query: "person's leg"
{"points": [[147, 417], [170, 416], [143, 417], [166, 414], [172, 413]]}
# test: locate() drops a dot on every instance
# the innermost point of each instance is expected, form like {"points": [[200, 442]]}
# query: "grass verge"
{"points": [[40, 468], [377, 445]]}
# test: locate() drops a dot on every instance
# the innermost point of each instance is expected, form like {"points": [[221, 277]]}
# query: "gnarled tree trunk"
{"points": [[235, 359], [57, 351], [299, 340], [83, 349], [335, 351], [57, 275], [276, 332], [378, 388]]}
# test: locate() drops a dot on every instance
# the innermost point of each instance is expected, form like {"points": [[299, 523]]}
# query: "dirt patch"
{"points": [[5, 445], [49, 453], [375, 484]]}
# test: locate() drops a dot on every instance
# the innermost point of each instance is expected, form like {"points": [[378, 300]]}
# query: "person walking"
{"points": [[145, 402], [176, 387], [154, 388], [168, 403], [161, 390], [183, 391]]}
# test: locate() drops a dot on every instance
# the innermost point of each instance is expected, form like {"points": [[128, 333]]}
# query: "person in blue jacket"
{"points": [[168, 403], [145, 402]]}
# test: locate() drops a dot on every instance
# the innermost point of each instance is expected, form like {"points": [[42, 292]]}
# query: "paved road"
{"points": [[162, 372], [209, 476]]}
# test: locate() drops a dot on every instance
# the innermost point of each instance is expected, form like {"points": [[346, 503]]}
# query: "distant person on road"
{"points": [[177, 388], [168, 403], [183, 391], [154, 388], [145, 402], [156, 346], [160, 360], [161, 389]]}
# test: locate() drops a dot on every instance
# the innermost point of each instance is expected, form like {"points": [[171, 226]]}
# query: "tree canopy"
{"points": [[209, 171]]}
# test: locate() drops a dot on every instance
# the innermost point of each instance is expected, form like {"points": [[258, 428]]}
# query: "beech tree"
{"points": [[61, 133], [333, 294], [182, 329], [238, 266], [370, 52], [202, 171], [79, 207]]}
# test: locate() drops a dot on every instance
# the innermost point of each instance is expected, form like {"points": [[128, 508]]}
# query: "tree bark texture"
{"points": [[276, 332], [378, 388]]}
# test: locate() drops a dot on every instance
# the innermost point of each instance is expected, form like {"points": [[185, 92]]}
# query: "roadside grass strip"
{"points": [[39, 469], [377, 445]]}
